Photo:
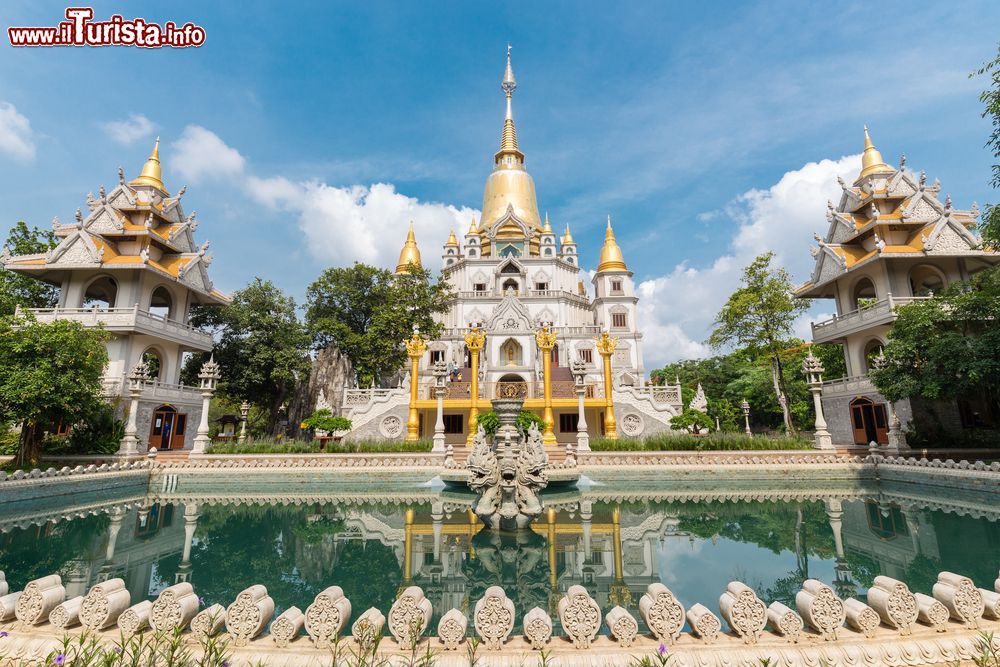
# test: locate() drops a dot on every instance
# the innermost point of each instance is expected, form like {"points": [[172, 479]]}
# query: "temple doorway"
{"points": [[166, 431], [869, 421]]}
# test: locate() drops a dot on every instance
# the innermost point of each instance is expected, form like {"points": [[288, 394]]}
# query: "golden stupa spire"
{"points": [[611, 254], [151, 172], [547, 228], [473, 227], [410, 254], [508, 140], [452, 239], [567, 237], [871, 160]]}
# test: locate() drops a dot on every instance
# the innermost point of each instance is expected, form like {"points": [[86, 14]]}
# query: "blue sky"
{"points": [[308, 133]]}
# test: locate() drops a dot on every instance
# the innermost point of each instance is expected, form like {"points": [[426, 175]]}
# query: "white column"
{"points": [[582, 437], [201, 440], [190, 526], [130, 443], [897, 439], [822, 438], [439, 422]]}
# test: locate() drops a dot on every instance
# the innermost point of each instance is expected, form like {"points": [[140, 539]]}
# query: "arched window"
{"points": [[869, 422], [161, 303], [926, 280], [873, 350], [864, 294], [154, 364], [511, 353], [510, 284], [472, 253], [101, 293], [511, 386]]}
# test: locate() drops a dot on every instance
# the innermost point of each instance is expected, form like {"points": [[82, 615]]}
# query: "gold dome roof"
{"points": [[611, 254], [151, 172], [567, 238], [452, 240], [510, 185], [409, 255], [871, 160], [547, 229]]}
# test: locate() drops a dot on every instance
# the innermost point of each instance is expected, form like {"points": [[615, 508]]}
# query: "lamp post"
{"points": [[415, 348], [244, 412], [606, 347], [897, 439], [136, 383], [579, 370], [440, 370], [746, 416], [546, 340], [209, 377], [813, 370], [474, 340]]}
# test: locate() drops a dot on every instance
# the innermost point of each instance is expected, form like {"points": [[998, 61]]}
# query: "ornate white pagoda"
{"points": [[517, 281], [890, 241], [132, 265]]}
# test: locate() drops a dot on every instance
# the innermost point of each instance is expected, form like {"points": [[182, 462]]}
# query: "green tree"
{"points": [[947, 346], [262, 348], [990, 227], [692, 420], [17, 290], [758, 318], [50, 374], [367, 313]]}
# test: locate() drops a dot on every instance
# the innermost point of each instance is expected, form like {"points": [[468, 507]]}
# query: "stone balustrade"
{"points": [[911, 629], [66, 471]]}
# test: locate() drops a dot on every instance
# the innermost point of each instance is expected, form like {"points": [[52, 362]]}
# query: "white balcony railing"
{"points": [[129, 320], [879, 312], [849, 386]]}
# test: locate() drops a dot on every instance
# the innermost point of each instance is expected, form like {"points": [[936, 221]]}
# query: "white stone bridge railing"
{"points": [[895, 626], [128, 320], [879, 312], [38, 474]]}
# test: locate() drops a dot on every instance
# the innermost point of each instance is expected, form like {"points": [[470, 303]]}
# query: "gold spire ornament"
{"points": [[452, 240], [547, 228], [567, 237], [151, 173], [611, 254], [410, 254], [473, 227], [871, 160]]}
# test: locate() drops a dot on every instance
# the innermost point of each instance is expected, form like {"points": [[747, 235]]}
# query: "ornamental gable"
{"points": [[510, 315]]}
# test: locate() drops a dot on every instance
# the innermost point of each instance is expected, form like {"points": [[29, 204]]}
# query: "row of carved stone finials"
{"points": [[890, 602]]}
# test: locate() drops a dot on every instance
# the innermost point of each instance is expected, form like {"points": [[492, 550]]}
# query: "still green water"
{"points": [[298, 534]]}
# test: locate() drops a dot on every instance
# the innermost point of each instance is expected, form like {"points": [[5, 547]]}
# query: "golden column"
{"points": [[546, 340], [606, 346], [415, 348], [474, 340], [553, 574], [407, 550], [618, 593]]}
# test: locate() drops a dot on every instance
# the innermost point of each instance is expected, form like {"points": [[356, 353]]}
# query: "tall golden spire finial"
{"points": [[452, 240], [473, 227], [567, 237], [547, 228], [410, 254], [151, 173], [508, 140], [871, 159], [611, 253]]}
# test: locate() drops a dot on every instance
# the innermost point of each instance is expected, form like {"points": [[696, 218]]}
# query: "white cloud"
{"points": [[677, 309], [128, 131], [15, 133], [199, 154], [363, 223]]}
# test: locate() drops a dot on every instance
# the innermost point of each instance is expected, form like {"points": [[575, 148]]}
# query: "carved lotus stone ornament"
{"points": [[745, 613], [494, 617], [209, 622], [249, 613], [135, 619], [38, 599], [451, 629], [662, 613], [537, 626], [67, 614], [4, 588], [368, 628], [784, 621], [287, 627], [894, 603], [174, 608], [704, 623], [409, 616], [931, 612], [961, 597], [820, 608], [622, 626], [327, 616], [104, 603], [580, 616], [8, 604], [861, 617], [991, 602]]}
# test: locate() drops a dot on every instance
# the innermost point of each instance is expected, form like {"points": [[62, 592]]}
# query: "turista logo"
{"points": [[79, 29]]}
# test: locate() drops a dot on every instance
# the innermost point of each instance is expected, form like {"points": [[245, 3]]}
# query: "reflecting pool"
{"points": [[298, 534]]}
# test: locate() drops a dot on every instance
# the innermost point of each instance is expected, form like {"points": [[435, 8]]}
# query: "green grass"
{"points": [[713, 442], [305, 447]]}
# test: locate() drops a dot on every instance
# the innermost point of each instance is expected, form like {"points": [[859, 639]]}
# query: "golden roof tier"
{"points": [[151, 173], [611, 253], [409, 255], [509, 187]]}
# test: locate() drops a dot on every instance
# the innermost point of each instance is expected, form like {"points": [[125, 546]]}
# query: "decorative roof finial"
{"points": [[151, 172], [871, 160], [611, 253], [508, 142], [547, 228], [473, 227], [410, 254]]}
